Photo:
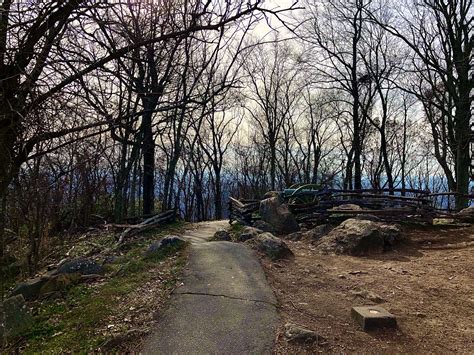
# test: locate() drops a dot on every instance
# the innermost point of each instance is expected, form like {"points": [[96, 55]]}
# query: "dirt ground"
{"points": [[428, 285]]}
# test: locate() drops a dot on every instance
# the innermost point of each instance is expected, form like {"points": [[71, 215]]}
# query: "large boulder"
{"points": [[15, 318], [30, 289], [360, 237], [271, 246], [168, 242], [275, 211], [222, 235], [82, 266]]}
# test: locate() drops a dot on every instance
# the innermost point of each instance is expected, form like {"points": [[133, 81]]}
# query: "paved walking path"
{"points": [[225, 305]]}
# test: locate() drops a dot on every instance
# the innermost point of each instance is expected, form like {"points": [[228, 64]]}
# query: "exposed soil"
{"points": [[428, 285]]}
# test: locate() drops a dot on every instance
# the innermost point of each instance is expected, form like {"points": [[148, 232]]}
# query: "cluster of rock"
{"points": [[354, 236], [360, 237], [15, 315], [13, 310], [67, 274]]}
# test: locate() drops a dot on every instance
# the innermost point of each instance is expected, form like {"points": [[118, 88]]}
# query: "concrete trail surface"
{"points": [[225, 305]]}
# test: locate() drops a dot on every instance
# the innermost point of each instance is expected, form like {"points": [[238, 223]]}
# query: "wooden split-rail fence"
{"points": [[315, 205]]}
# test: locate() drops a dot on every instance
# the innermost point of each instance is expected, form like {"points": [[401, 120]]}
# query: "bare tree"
{"points": [[334, 33], [272, 74], [439, 34]]}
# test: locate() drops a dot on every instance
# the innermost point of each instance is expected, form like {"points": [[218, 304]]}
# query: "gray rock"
{"points": [[249, 233], [296, 333], [318, 232], [295, 236], [15, 316], [271, 246], [82, 266], [30, 289], [170, 241], [360, 237], [275, 212], [222, 235], [264, 226]]}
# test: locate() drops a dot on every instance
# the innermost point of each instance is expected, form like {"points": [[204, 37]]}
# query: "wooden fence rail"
{"points": [[323, 204], [243, 210]]}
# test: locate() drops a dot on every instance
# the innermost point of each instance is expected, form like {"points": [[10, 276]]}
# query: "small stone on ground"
{"points": [[373, 317]]}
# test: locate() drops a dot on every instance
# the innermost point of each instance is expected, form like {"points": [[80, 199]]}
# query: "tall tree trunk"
{"points": [[462, 118], [148, 164], [272, 165], [218, 193], [169, 182], [386, 161], [404, 150]]}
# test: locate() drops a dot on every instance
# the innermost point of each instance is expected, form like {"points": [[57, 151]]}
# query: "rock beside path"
{"points": [[271, 246], [295, 236], [360, 237], [275, 212], [222, 235], [82, 266], [170, 241], [297, 333], [249, 233], [264, 226], [30, 289]]}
